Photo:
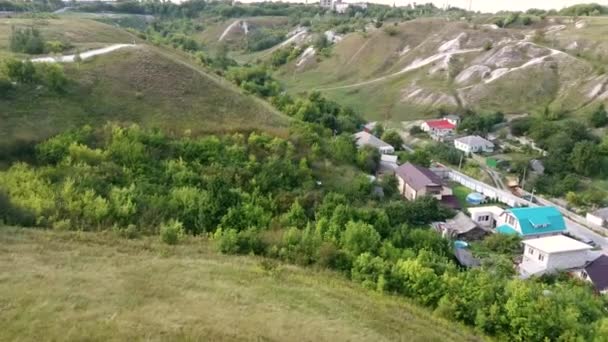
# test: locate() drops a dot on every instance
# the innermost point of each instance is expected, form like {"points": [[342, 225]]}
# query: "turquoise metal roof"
{"points": [[507, 230], [539, 220]]}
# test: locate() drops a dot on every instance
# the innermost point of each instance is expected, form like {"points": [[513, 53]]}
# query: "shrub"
{"points": [[28, 40], [171, 232]]}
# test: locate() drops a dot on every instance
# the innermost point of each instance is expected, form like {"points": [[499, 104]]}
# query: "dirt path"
{"points": [[236, 22], [83, 56]]}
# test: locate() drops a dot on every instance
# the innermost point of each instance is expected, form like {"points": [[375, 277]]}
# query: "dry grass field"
{"points": [[98, 287]]}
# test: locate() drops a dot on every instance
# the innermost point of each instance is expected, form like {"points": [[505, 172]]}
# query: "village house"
{"points": [[416, 181], [474, 144], [596, 272], [440, 127], [460, 227], [598, 217], [530, 223], [551, 254], [486, 217], [366, 139]]}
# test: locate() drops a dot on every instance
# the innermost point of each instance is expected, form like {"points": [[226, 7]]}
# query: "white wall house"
{"points": [[366, 139], [473, 144], [486, 217], [598, 217], [551, 254], [441, 127]]}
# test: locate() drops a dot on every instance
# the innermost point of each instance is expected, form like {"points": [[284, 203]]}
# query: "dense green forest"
{"points": [[254, 193]]}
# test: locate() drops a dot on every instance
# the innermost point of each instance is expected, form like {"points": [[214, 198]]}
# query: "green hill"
{"points": [[71, 286], [152, 86], [407, 70]]}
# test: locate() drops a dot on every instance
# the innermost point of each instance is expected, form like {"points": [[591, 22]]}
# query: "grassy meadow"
{"points": [[96, 286], [152, 86]]}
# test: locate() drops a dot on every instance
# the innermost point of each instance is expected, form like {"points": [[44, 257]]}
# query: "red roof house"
{"points": [[437, 125]]}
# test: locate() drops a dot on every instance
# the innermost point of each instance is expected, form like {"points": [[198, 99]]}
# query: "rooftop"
{"points": [[474, 140], [494, 210], [597, 270], [418, 177], [557, 244], [364, 138], [539, 220], [389, 158], [440, 124], [601, 213]]}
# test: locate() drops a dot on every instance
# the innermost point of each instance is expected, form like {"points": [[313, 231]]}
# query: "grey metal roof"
{"points": [[461, 223], [418, 177], [363, 138], [474, 140], [466, 258]]}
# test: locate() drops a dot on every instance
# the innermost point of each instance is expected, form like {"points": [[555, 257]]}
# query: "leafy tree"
{"points": [[584, 158], [296, 216], [368, 159], [393, 138], [359, 238], [598, 118]]}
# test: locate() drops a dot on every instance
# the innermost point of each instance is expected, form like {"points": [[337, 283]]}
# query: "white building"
{"points": [[366, 139], [598, 217], [486, 217], [551, 254], [473, 144], [441, 127]]}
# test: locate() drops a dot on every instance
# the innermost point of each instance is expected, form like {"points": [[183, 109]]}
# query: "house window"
{"points": [[511, 220], [584, 275], [531, 251], [541, 257], [484, 218]]}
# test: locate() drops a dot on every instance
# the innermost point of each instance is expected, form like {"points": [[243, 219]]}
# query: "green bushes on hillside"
{"points": [[27, 73], [257, 194], [26, 40]]}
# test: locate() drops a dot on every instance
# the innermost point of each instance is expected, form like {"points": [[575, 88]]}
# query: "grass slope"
{"points": [[148, 85], [93, 286]]}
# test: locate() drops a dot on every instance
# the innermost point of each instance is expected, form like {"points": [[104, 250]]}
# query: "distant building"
{"points": [[366, 139], [388, 164], [596, 272], [452, 118], [552, 254], [598, 217], [486, 217], [460, 227], [473, 144], [441, 127], [530, 223], [417, 181], [326, 3]]}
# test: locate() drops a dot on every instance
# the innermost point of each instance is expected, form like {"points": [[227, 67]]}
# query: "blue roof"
{"points": [[507, 230], [539, 220]]}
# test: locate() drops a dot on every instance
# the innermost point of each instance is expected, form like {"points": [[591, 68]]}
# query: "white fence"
{"points": [[480, 187]]}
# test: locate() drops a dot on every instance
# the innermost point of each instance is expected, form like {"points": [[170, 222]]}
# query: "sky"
{"points": [[484, 5]]}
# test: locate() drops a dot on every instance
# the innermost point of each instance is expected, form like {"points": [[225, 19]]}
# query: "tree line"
{"points": [[255, 193]]}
